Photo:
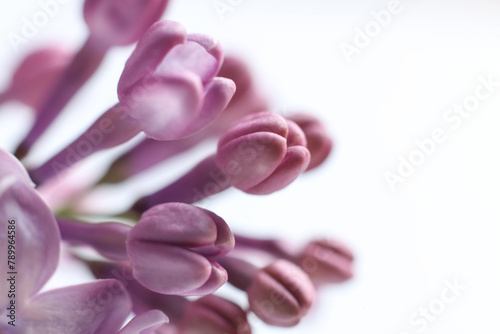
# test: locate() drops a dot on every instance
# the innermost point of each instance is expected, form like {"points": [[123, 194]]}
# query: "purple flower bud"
{"points": [[281, 294], [121, 22], [326, 261], [263, 153], [36, 76], [319, 142], [169, 83], [172, 249], [214, 315]]}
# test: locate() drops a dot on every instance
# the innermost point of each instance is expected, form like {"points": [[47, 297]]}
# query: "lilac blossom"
{"points": [[172, 249], [280, 294], [164, 264]]}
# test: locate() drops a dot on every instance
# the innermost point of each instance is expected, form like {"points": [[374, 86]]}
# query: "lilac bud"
{"points": [[213, 315], [169, 83], [121, 22], [319, 142], [172, 249], [263, 153], [37, 74], [281, 294], [326, 261]]}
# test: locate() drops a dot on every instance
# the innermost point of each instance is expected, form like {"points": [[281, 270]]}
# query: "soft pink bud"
{"points": [[281, 294], [263, 153]]}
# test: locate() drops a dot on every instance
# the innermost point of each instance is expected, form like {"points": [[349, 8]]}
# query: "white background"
{"points": [[441, 223]]}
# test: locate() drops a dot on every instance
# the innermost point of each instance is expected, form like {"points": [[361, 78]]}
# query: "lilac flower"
{"points": [[111, 23], [280, 294], [172, 249], [263, 153], [33, 251], [186, 96], [179, 98]]}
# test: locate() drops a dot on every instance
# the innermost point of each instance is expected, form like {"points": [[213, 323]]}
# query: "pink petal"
{"points": [[100, 307], [191, 57], [145, 323], [167, 110], [160, 38], [168, 269], [36, 238], [217, 97]]}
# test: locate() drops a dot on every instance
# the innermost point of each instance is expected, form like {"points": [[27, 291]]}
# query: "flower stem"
{"points": [[81, 68]]}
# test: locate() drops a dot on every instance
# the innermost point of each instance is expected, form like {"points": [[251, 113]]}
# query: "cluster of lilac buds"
{"points": [[158, 264]]}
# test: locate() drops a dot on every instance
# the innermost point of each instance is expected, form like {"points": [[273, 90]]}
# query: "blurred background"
{"points": [[413, 186]]}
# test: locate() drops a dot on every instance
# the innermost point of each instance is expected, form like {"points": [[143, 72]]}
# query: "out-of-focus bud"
{"points": [[213, 315], [281, 294], [326, 261], [36, 76], [263, 153], [172, 249], [121, 22]]}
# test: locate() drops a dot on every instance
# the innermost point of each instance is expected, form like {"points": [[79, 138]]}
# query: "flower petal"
{"points": [[191, 57], [160, 38], [217, 97], [12, 166], [35, 241], [169, 109], [145, 323], [99, 307], [167, 269]]}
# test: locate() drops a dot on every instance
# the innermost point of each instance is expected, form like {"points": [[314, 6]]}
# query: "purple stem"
{"points": [[147, 154], [239, 272], [81, 68], [113, 128], [106, 238], [204, 180], [273, 247]]}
